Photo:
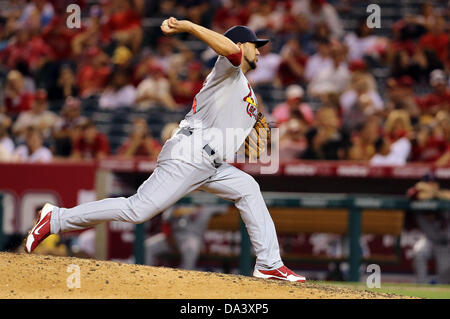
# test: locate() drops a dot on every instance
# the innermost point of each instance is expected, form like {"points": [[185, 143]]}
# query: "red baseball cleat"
{"points": [[41, 230], [282, 273]]}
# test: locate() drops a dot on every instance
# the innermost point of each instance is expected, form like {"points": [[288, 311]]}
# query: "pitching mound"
{"points": [[37, 276]]}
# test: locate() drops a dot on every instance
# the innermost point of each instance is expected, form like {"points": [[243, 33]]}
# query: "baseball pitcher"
{"points": [[224, 116]]}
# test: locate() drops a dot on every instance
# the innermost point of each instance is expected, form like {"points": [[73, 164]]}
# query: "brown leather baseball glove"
{"points": [[258, 139]]}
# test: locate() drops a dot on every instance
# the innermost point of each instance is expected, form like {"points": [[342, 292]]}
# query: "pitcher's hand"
{"points": [[173, 26]]}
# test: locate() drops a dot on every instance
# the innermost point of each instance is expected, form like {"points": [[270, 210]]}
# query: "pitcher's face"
{"points": [[250, 54]]}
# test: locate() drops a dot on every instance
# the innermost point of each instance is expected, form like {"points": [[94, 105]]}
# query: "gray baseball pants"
{"points": [[170, 181]]}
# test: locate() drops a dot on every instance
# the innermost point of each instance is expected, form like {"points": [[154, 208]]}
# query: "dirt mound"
{"points": [[37, 276]]}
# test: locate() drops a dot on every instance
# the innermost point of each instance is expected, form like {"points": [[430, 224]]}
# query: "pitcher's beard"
{"points": [[252, 64]]}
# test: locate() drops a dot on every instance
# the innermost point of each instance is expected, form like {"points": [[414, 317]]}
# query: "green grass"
{"points": [[412, 290]]}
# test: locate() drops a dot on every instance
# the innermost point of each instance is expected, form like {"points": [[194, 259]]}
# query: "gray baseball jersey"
{"points": [[225, 109]]}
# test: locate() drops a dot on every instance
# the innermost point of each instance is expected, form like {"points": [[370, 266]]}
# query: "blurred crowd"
{"points": [[333, 105]]}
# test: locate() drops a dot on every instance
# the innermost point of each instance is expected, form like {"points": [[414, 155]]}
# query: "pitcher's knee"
{"points": [[141, 210], [251, 186]]}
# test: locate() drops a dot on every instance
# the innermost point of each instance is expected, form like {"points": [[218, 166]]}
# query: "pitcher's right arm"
{"points": [[218, 42]]}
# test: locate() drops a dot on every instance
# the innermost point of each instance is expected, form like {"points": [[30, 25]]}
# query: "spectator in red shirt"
{"points": [[59, 37], [16, 98], [293, 63], [140, 142], [436, 39], [125, 24], [91, 145], [429, 144], [93, 76], [439, 99], [26, 47]]}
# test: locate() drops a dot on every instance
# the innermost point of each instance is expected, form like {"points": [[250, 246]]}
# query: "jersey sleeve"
{"points": [[235, 58], [226, 65]]}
